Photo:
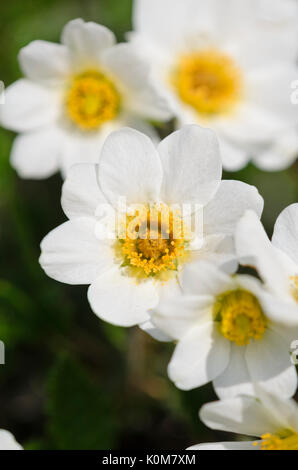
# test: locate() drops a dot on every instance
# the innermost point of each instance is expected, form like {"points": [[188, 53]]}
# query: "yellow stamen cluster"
{"points": [[91, 100], [294, 287], [240, 316], [209, 81], [154, 242], [284, 441]]}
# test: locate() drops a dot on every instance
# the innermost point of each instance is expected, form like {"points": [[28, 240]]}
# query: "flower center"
{"points": [[209, 81], [240, 316], [294, 287], [153, 242], [91, 100], [284, 441]]}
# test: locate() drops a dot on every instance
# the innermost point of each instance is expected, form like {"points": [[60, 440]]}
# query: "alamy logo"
{"points": [[2, 93], [2, 353]]}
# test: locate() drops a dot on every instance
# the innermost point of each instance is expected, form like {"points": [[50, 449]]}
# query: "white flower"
{"points": [[276, 261], [74, 94], [8, 442], [227, 330], [228, 65], [271, 418], [126, 275]]}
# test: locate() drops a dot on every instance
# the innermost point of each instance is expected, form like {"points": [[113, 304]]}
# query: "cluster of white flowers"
{"points": [[223, 71]]}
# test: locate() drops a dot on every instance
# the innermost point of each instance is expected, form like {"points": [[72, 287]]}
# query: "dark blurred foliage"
{"points": [[71, 381]]}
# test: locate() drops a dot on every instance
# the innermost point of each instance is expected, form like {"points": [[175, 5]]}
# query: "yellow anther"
{"points": [[240, 316], [209, 81], [91, 100]]}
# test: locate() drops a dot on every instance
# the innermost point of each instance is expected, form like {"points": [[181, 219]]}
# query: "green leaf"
{"points": [[16, 313], [81, 414]]}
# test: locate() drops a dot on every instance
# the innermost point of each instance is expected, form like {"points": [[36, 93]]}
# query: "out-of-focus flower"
{"points": [[8, 442], [276, 261], [228, 65], [229, 330], [128, 270], [271, 418], [74, 94]]}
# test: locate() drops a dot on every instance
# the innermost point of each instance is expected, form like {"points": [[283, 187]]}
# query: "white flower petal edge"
{"points": [[199, 357], [45, 62], [81, 194], [277, 261], [191, 155], [86, 41], [131, 304], [8, 442], [243, 445], [130, 166], [71, 253], [285, 235]]}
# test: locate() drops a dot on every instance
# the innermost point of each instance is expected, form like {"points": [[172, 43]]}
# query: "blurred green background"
{"points": [[71, 381]]}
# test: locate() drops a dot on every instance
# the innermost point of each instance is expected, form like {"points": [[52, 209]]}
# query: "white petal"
{"points": [[143, 126], [283, 412], [263, 83], [234, 157], [251, 125], [235, 379], [182, 19], [157, 334], [81, 147], [36, 154], [81, 193], [281, 313], [242, 445], [8, 442], [87, 41], [176, 313], [192, 166], [45, 62], [279, 12], [142, 96], [241, 415], [218, 250], [280, 154], [230, 202], [72, 254], [130, 167], [254, 247], [28, 106], [265, 43], [285, 235], [199, 357], [131, 303], [269, 364], [202, 278]]}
